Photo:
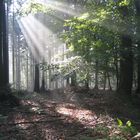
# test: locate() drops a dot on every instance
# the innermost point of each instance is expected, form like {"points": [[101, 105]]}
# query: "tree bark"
{"points": [[18, 65], [5, 45], [109, 82], [87, 81], [1, 44], [117, 72], [4, 70], [138, 71], [43, 81], [137, 5], [36, 84], [73, 79], [104, 80], [96, 74], [126, 65]]}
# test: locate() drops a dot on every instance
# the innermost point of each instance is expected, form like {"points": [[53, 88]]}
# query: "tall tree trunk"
{"points": [[5, 45], [1, 44], [43, 81], [117, 72], [87, 85], [138, 71], [96, 74], [4, 74], [18, 68], [135, 79], [27, 71], [109, 82], [73, 79], [37, 83], [138, 82], [104, 80], [13, 47], [126, 65], [137, 5], [87, 81]]}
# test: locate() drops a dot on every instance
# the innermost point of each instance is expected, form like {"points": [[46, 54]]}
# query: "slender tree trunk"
{"points": [[36, 84], [138, 82], [109, 83], [18, 68], [13, 48], [67, 81], [87, 81], [43, 81], [73, 79], [1, 44], [5, 46], [27, 70], [104, 80], [117, 72], [96, 74], [87, 85], [4, 74], [32, 73], [135, 79], [137, 5]]}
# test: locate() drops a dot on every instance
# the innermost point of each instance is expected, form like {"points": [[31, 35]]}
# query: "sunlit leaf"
{"points": [[128, 123], [124, 3], [120, 123]]}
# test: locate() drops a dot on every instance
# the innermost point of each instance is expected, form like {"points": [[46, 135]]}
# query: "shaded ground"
{"points": [[68, 114]]}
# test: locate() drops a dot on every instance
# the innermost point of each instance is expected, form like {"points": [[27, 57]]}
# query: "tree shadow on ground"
{"points": [[64, 115]]}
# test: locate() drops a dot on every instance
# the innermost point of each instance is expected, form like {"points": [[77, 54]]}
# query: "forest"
{"points": [[69, 69]]}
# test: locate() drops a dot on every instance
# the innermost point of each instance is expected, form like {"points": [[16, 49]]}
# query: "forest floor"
{"points": [[69, 114]]}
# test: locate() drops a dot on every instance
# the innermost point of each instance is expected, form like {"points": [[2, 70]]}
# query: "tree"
{"points": [[36, 81], [126, 54], [4, 70], [90, 33], [90, 39], [126, 66], [137, 6]]}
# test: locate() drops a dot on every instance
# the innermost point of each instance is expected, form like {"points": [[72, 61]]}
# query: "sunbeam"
{"points": [[30, 37], [39, 37], [64, 7]]}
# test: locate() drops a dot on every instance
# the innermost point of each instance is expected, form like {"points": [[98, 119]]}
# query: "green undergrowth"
{"points": [[118, 131]]}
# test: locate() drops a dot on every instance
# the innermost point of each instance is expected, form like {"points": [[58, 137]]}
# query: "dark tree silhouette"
{"points": [[4, 70], [126, 66], [126, 61], [137, 5], [36, 84]]}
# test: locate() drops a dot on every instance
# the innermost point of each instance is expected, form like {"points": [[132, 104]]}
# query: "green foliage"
{"points": [[97, 31], [45, 66], [124, 3], [33, 7], [120, 123], [127, 129], [128, 123], [90, 37]]}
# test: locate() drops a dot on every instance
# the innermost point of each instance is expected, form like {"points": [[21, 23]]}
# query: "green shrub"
{"points": [[127, 129]]}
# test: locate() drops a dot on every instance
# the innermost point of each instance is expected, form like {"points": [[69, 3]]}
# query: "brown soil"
{"points": [[64, 115]]}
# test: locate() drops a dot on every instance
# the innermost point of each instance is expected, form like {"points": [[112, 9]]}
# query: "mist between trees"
{"points": [[52, 44]]}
